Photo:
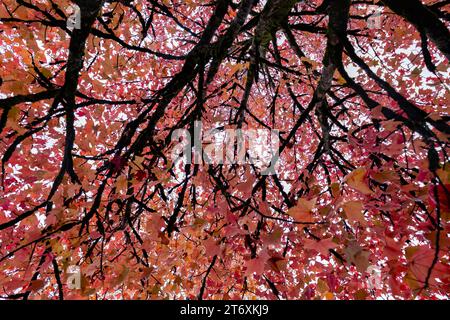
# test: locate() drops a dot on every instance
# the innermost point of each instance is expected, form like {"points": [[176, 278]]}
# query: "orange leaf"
{"points": [[302, 211], [356, 180], [354, 211]]}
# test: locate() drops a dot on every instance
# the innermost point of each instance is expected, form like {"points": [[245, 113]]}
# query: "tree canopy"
{"points": [[357, 208]]}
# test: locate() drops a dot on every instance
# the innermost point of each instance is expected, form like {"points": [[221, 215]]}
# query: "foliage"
{"points": [[88, 180]]}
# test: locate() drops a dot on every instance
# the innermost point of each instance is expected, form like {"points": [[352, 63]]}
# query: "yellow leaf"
{"points": [[410, 251], [14, 114], [322, 286], [46, 72], [340, 79]]}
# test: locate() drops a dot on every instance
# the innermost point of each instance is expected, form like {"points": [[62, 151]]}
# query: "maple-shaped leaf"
{"points": [[357, 256], [255, 266], [420, 263], [264, 208], [354, 211], [356, 180], [392, 249], [335, 189], [118, 163], [322, 246], [384, 176], [120, 278], [442, 193], [277, 264], [51, 219], [36, 285], [246, 187], [274, 237], [302, 212], [211, 247], [122, 183]]}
